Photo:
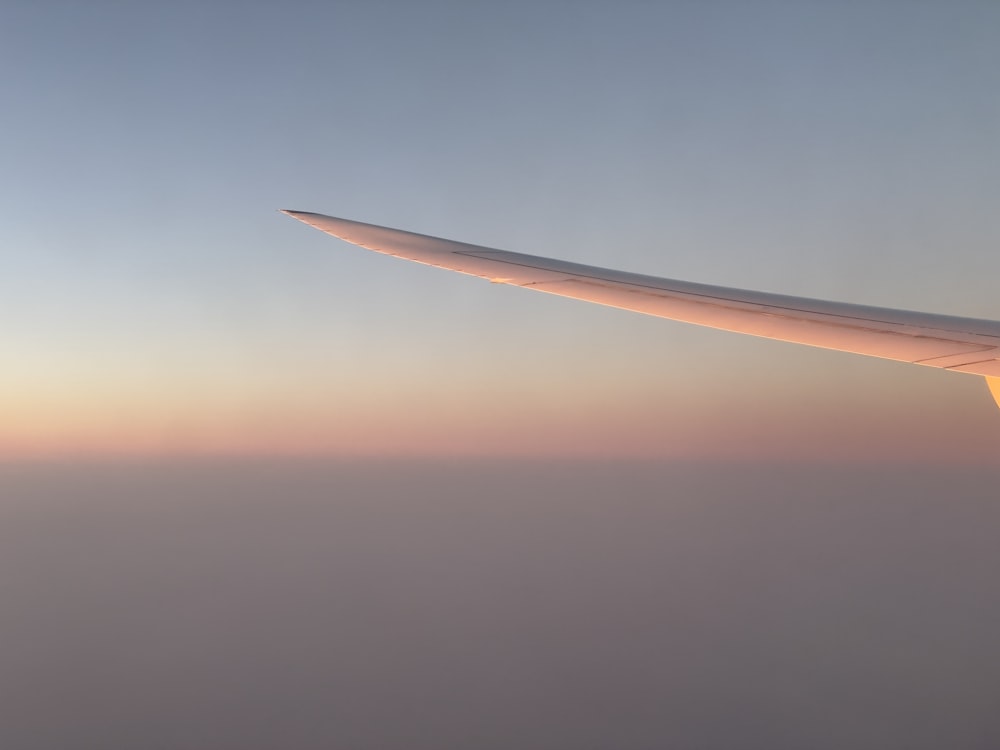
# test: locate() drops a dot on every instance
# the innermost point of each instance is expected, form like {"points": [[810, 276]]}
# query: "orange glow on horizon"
{"points": [[620, 412], [463, 429]]}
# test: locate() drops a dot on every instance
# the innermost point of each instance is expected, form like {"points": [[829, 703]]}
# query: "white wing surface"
{"points": [[951, 343]]}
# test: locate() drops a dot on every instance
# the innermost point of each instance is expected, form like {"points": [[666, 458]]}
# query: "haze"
{"points": [[499, 604]]}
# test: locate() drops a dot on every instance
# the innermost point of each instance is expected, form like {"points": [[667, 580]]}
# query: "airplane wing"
{"points": [[951, 343]]}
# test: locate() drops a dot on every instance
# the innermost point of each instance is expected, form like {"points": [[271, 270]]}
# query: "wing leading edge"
{"points": [[951, 343]]}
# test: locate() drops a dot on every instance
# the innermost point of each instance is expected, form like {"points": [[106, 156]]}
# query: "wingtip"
{"points": [[300, 215]]}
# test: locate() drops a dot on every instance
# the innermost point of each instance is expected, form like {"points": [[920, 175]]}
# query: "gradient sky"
{"points": [[155, 303], [260, 488]]}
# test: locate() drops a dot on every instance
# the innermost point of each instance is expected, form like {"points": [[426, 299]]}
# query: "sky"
{"points": [[157, 304], [260, 488]]}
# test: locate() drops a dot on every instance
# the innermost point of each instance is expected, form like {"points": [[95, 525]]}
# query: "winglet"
{"points": [[994, 384]]}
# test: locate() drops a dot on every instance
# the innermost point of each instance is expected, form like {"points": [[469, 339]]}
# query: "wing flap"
{"points": [[994, 384]]}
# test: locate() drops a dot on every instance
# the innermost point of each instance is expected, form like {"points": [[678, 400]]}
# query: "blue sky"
{"points": [[156, 302]]}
